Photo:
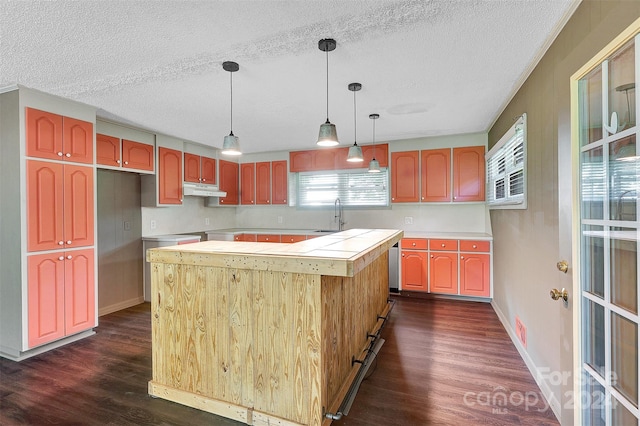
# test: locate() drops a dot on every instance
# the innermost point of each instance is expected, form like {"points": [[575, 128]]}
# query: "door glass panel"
{"points": [[593, 259], [592, 183], [594, 336], [623, 179], [621, 416], [624, 268], [624, 357], [622, 93], [590, 93], [593, 403]]}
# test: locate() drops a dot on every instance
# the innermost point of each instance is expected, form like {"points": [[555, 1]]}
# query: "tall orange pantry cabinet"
{"points": [[47, 244]]}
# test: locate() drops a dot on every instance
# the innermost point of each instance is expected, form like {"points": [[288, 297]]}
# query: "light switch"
{"points": [[152, 225], [408, 220]]}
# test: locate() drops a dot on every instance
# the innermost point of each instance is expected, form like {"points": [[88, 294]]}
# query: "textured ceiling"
{"points": [[433, 67]]}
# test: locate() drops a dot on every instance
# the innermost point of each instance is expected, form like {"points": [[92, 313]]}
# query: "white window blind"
{"points": [[353, 187], [506, 169]]}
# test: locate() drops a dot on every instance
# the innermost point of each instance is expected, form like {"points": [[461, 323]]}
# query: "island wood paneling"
{"points": [[261, 346]]}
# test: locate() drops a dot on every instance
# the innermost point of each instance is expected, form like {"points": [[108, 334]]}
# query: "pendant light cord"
{"points": [[355, 129], [326, 51], [374, 139], [231, 102]]}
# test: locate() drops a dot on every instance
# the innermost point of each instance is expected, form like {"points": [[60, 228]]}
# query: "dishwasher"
{"points": [[394, 270]]}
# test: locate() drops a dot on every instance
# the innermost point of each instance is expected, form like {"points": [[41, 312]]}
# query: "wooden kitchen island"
{"points": [[267, 333]]}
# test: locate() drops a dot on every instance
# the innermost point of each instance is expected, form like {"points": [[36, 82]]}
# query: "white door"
{"points": [[606, 282]]}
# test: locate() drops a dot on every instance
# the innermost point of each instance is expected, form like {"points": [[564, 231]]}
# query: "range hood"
{"points": [[202, 190]]}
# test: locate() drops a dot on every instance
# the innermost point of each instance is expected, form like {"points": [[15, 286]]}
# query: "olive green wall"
{"points": [[528, 243]]}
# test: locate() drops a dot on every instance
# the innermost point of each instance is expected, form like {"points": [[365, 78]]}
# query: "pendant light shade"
{"points": [[231, 144], [355, 152], [374, 165], [328, 136]]}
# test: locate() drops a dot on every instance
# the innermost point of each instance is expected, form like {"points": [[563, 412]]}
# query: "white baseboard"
{"points": [[120, 306], [552, 400]]}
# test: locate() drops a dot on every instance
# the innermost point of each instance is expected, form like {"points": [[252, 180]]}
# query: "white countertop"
{"points": [[171, 238]]}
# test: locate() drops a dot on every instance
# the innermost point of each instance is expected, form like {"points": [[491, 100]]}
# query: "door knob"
{"points": [[559, 294], [563, 266]]}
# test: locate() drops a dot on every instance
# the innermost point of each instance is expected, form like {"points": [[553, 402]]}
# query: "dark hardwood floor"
{"points": [[444, 362]]}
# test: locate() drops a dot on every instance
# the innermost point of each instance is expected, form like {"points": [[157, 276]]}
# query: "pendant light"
{"points": [[328, 136], [374, 165], [355, 152], [231, 144]]}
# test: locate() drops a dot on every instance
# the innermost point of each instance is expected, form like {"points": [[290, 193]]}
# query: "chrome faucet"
{"points": [[337, 214]]}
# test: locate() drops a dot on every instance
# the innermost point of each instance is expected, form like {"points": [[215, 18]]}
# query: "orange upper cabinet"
{"points": [[60, 212], [107, 150], [263, 182], [111, 151], [136, 155], [279, 182], [301, 161], [199, 169], [191, 168], [55, 137], [404, 177], [208, 170], [229, 182], [435, 174], [248, 183], [380, 152], [468, 173], [170, 176]]}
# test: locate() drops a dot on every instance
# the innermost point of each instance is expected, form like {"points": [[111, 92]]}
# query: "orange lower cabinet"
{"points": [[292, 238], [414, 270], [475, 276], [443, 272], [268, 238], [61, 295]]}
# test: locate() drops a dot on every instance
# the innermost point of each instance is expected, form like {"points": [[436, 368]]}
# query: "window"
{"points": [[357, 188], [506, 173]]}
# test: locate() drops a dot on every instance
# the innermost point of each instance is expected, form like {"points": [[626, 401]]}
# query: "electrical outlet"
{"points": [[279, 219], [521, 332], [408, 220], [152, 224], [207, 221]]}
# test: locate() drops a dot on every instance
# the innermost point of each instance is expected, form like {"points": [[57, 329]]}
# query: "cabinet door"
{"points": [[77, 140], [191, 168], [286, 238], [301, 161], [248, 183], [79, 291], [169, 176], [45, 200], [78, 206], [443, 272], [436, 175], [404, 177], [279, 182], [468, 174], [414, 270], [107, 150], [44, 134], [263, 182], [475, 276], [136, 155], [380, 152], [229, 182], [327, 158], [45, 294], [208, 170], [268, 238]]}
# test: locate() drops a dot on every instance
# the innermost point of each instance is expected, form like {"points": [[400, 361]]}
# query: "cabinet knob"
{"points": [[423, 198], [475, 246], [402, 254], [267, 201], [126, 162], [68, 154], [204, 180], [69, 242], [61, 258], [392, 198], [432, 256], [118, 161], [443, 245], [60, 243], [69, 257], [284, 201], [461, 257], [413, 244], [59, 154]]}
